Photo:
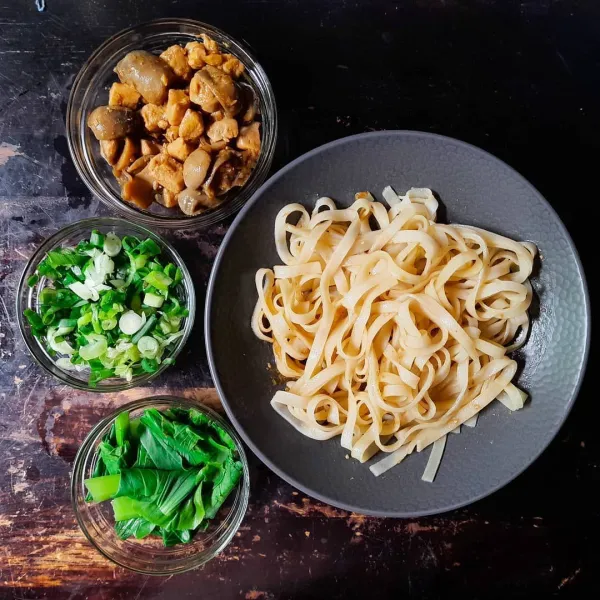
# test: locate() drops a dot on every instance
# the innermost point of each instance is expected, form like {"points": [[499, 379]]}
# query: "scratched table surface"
{"points": [[520, 79]]}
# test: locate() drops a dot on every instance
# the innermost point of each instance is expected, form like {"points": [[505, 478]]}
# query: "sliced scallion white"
{"points": [[148, 346], [96, 347], [82, 290], [130, 322], [108, 324], [112, 244], [62, 346]]}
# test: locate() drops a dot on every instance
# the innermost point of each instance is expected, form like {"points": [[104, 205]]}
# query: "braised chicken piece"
{"points": [[176, 57], [167, 172], [191, 126], [249, 139], [224, 130], [211, 46], [181, 128], [232, 66], [167, 198], [154, 118], [172, 133], [196, 53], [121, 94], [180, 149], [177, 105]]}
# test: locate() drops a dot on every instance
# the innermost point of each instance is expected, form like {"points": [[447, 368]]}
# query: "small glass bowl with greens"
{"points": [[161, 485], [105, 304]]}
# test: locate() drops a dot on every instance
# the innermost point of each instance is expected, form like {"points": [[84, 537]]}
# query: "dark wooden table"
{"points": [[520, 79]]}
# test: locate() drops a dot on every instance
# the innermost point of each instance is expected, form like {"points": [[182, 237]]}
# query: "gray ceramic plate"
{"points": [[475, 188]]}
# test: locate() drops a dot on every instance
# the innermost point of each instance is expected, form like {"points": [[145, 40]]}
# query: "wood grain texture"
{"points": [[520, 79]]}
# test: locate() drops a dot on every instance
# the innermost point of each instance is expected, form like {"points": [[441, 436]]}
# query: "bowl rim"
{"points": [[209, 306], [52, 242], [87, 447], [211, 216]]}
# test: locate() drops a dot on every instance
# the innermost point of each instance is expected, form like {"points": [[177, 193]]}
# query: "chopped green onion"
{"points": [[130, 322], [149, 365], [108, 324], [178, 277], [90, 313], [153, 300], [112, 245], [158, 280], [97, 239], [144, 330], [148, 346], [67, 323], [96, 347]]}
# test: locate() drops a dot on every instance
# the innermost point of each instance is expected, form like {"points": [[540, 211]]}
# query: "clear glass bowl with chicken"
{"points": [[187, 128]]}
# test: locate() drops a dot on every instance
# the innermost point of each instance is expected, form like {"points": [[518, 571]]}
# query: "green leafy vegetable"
{"points": [[137, 527], [167, 473]]}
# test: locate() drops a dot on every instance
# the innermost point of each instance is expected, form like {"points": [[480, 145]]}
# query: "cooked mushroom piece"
{"points": [[195, 168], [249, 139], [110, 150], [205, 145], [127, 156], [112, 122], [150, 147], [139, 164], [223, 88], [244, 172], [150, 75], [139, 188], [193, 202], [224, 172], [223, 130], [249, 102], [202, 95]]}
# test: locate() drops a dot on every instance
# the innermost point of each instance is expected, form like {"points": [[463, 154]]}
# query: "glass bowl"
{"points": [[27, 297], [148, 555], [90, 90]]}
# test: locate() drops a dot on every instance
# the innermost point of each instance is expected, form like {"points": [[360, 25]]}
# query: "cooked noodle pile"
{"points": [[393, 329]]}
